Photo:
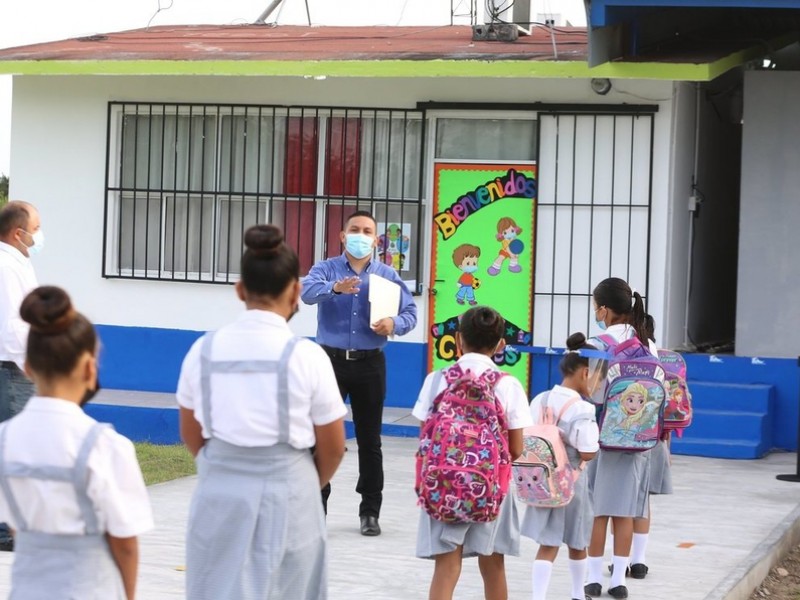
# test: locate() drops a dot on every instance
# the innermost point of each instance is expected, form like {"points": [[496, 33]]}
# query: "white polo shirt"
{"points": [[578, 420], [509, 390], [50, 431], [244, 405], [17, 279]]}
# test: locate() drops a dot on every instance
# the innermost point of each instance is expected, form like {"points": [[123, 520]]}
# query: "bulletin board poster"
{"points": [[483, 254]]}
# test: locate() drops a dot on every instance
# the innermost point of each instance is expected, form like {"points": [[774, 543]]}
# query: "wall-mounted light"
{"points": [[601, 85]]}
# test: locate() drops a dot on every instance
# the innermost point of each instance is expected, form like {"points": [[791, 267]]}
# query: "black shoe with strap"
{"points": [[639, 571], [618, 592], [593, 589]]}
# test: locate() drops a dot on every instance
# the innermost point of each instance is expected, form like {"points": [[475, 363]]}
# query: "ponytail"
{"points": [[640, 320]]}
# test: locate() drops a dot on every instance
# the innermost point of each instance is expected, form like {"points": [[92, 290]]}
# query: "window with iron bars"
{"points": [[184, 181]]}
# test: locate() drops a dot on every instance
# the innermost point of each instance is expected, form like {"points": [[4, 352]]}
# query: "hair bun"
{"points": [[576, 341], [263, 239], [48, 310]]}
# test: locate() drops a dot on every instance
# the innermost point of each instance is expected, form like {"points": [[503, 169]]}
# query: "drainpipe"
{"points": [[693, 204]]}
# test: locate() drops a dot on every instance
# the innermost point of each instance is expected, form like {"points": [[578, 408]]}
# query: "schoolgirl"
{"points": [[70, 487], [619, 481], [570, 524], [254, 400], [479, 338], [660, 482]]}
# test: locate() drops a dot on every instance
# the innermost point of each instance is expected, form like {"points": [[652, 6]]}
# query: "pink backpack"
{"points": [[543, 473], [463, 462], [678, 410]]}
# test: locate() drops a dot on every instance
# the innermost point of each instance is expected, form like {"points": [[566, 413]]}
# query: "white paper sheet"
{"points": [[384, 298]]}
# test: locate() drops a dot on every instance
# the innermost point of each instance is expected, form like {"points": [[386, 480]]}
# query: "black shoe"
{"points": [[618, 592], [627, 571], [7, 544], [593, 589], [369, 525], [639, 571]]}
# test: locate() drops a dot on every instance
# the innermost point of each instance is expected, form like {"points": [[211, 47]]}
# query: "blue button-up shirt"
{"points": [[343, 319]]}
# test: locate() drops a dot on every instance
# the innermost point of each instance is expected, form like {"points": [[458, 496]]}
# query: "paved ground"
{"points": [[704, 537]]}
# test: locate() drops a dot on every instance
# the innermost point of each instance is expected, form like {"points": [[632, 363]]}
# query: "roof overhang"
{"points": [[341, 52]]}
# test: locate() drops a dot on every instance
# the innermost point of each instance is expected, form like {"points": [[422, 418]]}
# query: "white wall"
{"points": [[680, 188], [767, 310], [58, 161]]}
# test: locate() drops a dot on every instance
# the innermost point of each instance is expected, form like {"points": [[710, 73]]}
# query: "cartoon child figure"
{"points": [[507, 232], [391, 246], [465, 257]]}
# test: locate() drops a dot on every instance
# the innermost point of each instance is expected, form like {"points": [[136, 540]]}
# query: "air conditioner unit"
{"points": [[508, 11]]}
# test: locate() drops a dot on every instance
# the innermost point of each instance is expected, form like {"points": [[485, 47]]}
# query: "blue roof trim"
{"points": [[607, 12]]}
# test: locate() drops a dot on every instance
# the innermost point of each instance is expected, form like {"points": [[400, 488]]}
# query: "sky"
{"points": [[31, 21]]}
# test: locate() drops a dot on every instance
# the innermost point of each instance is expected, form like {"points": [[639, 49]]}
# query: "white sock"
{"points": [[594, 572], [577, 570], [541, 578], [639, 547], [618, 574]]}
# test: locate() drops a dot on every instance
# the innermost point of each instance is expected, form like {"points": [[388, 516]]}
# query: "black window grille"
{"points": [[184, 181], [593, 215]]}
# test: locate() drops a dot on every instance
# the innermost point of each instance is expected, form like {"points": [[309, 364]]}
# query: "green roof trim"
{"points": [[386, 68]]}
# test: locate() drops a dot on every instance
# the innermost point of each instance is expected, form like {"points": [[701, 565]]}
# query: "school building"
{"points": [[148, 152]]}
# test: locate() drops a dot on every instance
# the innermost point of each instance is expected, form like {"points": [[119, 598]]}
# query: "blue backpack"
{"points": [[632, 417]]}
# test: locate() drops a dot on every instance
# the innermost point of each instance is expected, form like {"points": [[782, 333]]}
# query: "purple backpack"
{"points": [[463, 463], [633, 406]]}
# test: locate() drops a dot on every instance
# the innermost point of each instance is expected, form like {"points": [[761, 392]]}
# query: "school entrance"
{"points": [[529, 211]]}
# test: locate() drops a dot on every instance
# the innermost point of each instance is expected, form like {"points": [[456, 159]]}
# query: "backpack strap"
{"points": [[437, 378], [564, 408], [609, 340]]}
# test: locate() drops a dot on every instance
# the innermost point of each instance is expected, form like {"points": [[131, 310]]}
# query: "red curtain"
{"points": [[300, 179]]}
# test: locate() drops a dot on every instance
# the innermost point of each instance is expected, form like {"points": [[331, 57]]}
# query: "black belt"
{"points": [[351, 354]]}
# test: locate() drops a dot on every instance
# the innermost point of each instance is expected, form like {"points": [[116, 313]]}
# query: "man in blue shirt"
{"points": [[340, 288]]}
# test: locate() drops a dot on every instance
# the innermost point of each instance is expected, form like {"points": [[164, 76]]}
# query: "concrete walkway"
{"points": [[724, 518]]}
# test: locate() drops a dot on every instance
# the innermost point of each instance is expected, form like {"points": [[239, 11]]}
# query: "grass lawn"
{"points": [[162, 463]]}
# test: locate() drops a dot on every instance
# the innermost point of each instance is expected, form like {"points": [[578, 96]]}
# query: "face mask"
{"points": [[38, 242], [89, 394], [470, 268], [358, 245]]}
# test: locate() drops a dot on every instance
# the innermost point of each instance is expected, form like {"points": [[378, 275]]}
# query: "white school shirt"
{"points": [[509, 392], [583, 435], [244, 405], [622, 332], [17, 279], [50, 432]]}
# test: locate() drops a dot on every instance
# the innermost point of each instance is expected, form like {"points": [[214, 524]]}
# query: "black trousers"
{"points": [[364, 382]]}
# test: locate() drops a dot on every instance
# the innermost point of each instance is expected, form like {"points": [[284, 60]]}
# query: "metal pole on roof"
{"points": [[262, 19]]}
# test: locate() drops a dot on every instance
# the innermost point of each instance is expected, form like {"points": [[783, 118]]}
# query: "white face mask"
{"points": [[38, 242]]}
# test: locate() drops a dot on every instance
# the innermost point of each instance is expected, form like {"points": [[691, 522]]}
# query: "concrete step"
{"points": [[731, 396], [729, 425], [718, 448]]}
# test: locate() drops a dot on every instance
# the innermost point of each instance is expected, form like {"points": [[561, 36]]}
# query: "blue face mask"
{"points": [[358, 245], [470, 268], [600, 323]]}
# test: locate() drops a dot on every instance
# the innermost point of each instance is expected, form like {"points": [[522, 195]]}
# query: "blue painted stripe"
{"points": [[149, 359]]}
